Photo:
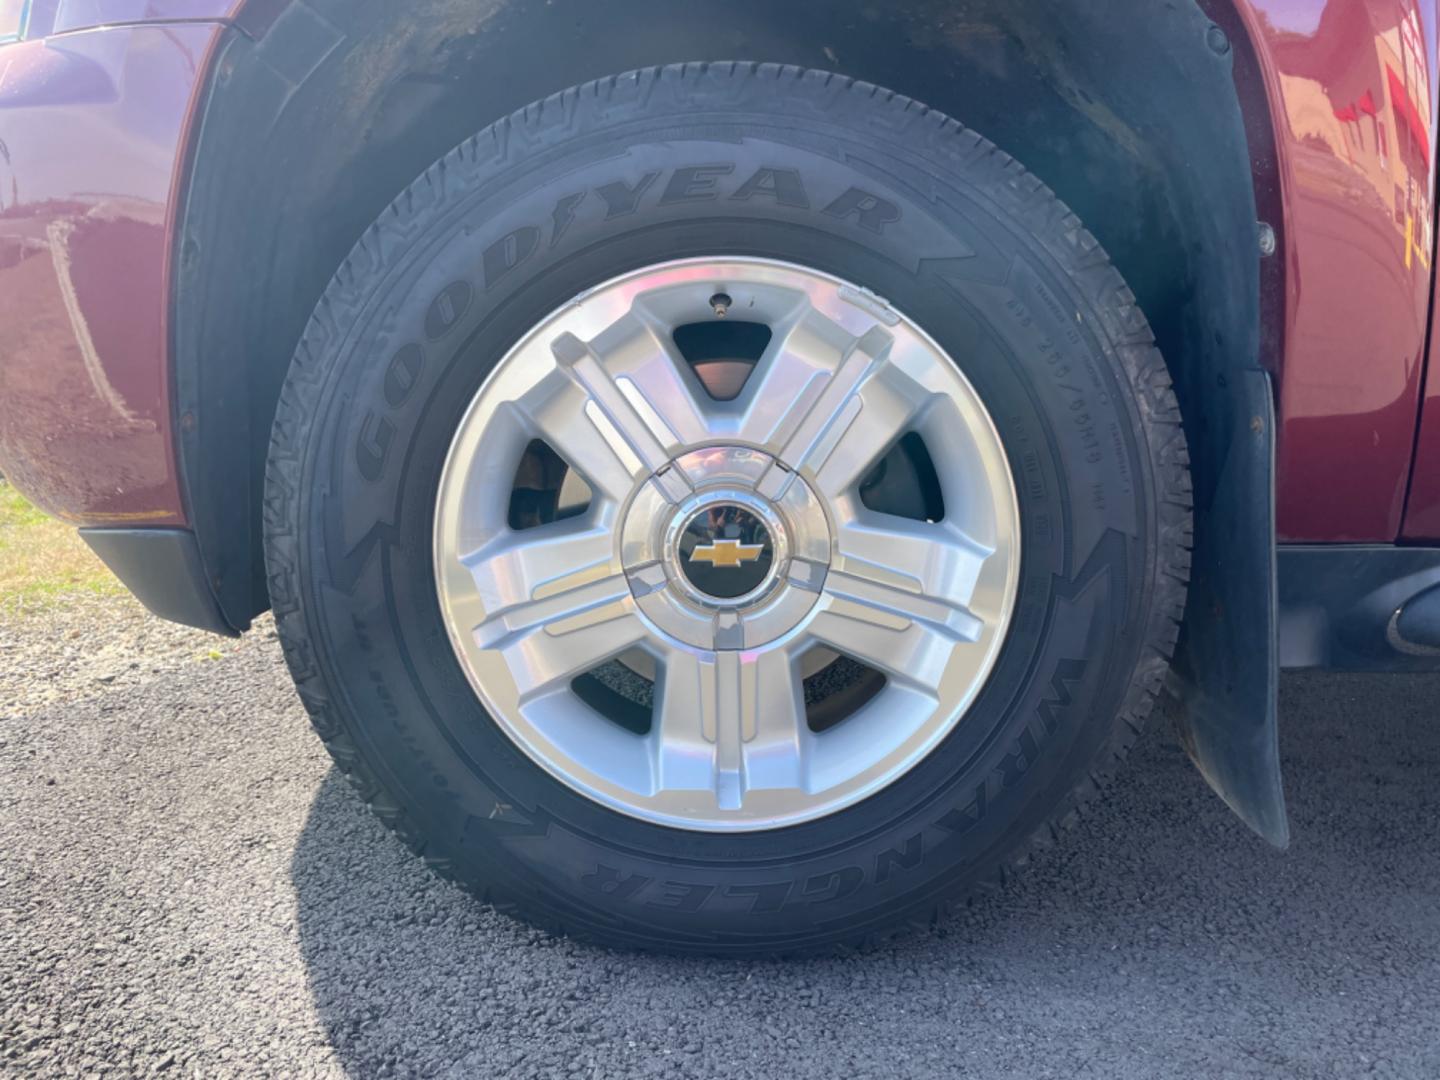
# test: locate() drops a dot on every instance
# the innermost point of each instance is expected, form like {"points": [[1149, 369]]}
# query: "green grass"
{"points": [[43, 561], [16, 510]]}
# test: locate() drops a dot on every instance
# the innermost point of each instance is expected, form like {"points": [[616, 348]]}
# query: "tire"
{"points": [[855, 182]]}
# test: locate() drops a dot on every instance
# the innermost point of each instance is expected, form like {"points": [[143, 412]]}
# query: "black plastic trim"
{"points": [[162, 567], [1358, 607], [212, 419], [1226, 675]]}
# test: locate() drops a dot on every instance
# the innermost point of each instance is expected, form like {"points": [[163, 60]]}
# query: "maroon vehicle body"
{"points": [[103, 105], [91, 155]]}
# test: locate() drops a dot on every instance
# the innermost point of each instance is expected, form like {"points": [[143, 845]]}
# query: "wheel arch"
{"points": [[321, 111]]}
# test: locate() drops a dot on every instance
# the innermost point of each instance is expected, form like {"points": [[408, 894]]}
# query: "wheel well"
{"points": [[321, 111]]}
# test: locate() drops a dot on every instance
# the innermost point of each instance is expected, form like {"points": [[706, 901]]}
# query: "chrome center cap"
{"points": [[727, 548], [715, 563]]}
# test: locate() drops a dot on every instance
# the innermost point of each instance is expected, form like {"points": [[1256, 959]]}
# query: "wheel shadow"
{"points": [[1160, 936]]}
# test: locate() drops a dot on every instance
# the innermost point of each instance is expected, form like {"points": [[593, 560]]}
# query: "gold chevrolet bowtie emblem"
{"points": [[726, 553]]}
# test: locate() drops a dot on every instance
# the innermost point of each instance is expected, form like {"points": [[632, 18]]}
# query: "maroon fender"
{"points": [[61, 16], [1422, 511], [92, 123], [1352, 102]]}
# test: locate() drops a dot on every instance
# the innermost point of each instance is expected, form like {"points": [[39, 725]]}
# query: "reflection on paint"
{"points": [[89, 129], [1355, 134]]}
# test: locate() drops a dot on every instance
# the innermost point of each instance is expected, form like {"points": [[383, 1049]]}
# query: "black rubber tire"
{"points": [[728, 159]]}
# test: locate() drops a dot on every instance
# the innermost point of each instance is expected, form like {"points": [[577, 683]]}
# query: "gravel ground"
{"points": [[187, 887]]}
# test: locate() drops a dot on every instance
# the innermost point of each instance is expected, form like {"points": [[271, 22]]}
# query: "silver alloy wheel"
{"points": [[729, 748]]}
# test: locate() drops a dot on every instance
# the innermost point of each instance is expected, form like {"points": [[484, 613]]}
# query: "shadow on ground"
{"points": [[1162, 939]]}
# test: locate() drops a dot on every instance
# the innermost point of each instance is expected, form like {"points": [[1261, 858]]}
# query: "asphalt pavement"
{"points": [[188, 889]]}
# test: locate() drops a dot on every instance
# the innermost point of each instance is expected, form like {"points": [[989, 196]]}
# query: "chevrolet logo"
{"points": [[726, 553]]}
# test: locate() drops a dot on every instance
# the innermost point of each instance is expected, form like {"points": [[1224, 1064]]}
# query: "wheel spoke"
{"points": [[730, 722], [789, 378], [518, 567], [617, 422], [934, 559], [548, 641], [908, 636], [830, 408], [638, 353]]}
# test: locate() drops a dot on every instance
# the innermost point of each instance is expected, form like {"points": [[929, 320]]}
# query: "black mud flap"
{"points": [[163, 568], [1226, 672]]}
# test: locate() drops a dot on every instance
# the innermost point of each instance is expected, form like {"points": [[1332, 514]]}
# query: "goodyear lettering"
{"points": [[705, 182], [694, 183], [621, 198], [871, 211], [509, 252], [447, 309], [402, 375], [372, 444], [782, 185]]}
